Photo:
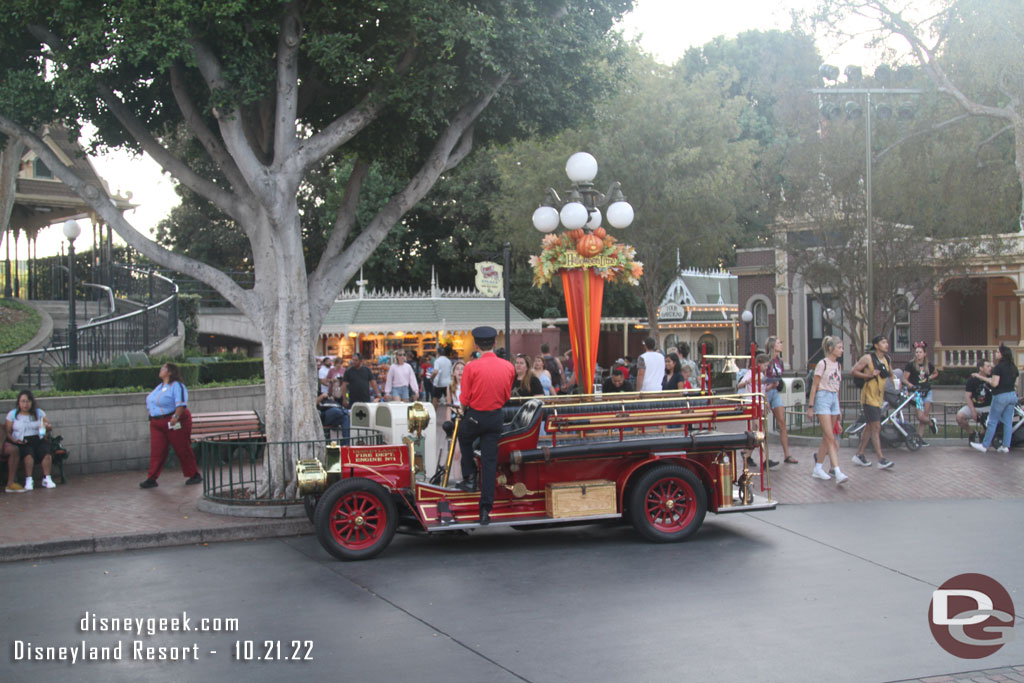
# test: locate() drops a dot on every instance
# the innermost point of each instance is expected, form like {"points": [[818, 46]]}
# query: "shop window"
{"points": [[760, 323], [670, 341], [901, 326]]}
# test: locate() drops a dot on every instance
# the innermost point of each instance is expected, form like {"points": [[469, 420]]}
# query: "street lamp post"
{"points": [[853, 111], [747, 317], [580, 214], [72, 230]]}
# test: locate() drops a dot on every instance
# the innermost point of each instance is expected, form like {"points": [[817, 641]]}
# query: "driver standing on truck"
{"points": [[486, 387]]}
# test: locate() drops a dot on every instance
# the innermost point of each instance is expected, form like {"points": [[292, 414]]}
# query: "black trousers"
{"points": [[485, 425]]}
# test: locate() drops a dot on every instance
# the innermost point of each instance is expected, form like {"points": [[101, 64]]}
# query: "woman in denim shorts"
{"points": [[824, 402], [772, 379]]}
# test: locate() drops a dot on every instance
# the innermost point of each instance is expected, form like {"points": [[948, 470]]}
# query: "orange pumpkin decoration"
{"points": [[600, 233], [577, 233], [589, 245]]}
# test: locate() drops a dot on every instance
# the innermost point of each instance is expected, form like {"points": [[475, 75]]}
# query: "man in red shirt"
{"points": [[486, 387]]}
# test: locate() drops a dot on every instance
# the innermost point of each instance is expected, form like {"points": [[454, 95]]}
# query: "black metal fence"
{"points": [[154, 318], [236, 466]]}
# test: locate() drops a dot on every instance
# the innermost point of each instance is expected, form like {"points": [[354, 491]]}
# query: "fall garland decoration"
{"points": [[611, 260]]}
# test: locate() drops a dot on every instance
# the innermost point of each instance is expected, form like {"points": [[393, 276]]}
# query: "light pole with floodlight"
{"points": [[854, 111], [72, 230]]}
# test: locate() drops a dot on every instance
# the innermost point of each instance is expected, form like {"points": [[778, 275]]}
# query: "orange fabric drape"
{"points": [[584, 293]]}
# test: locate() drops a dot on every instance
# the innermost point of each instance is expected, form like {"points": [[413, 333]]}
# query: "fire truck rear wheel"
{"points": [[355, 519], [667, 504]]}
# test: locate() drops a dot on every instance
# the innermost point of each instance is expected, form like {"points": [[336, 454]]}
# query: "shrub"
{"points": [[231, 370], [65, 379]]}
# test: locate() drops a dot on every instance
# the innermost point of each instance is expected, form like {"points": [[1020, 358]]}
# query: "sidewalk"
{"points": [[108, 512]]}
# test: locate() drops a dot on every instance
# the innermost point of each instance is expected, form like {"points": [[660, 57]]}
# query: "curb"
{"points": [[159, 539]]}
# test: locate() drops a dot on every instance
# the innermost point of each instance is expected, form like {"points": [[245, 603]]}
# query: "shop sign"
{"points": [[488, 278]]}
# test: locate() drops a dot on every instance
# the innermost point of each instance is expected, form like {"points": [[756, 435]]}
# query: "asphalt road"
{"points": [[834, 592]]}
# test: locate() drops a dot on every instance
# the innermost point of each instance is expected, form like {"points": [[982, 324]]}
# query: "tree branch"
{"points": [[230, 122], [331, 274], [170, 163], [906, 138], [223, 199], [196, 124], [286, 109], [346, 216], [98, 200]]}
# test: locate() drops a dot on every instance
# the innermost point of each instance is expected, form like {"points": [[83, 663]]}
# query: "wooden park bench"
{"points": [[237, 425]]}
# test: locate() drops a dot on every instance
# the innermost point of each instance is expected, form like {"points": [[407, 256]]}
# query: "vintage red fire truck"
{"points": [[660, 461]]}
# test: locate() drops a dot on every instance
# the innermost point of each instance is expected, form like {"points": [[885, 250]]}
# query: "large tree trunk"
{"points": [[289, 365]]}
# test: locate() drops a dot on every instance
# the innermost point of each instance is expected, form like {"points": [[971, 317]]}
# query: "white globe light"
{"points": [[595, 219], [746, 316], [581, 168], [545, 218], [72, 229], [620, 215], [574, 215]]}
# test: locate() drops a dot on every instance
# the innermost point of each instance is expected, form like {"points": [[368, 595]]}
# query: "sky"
{"points": [[666, 28]]}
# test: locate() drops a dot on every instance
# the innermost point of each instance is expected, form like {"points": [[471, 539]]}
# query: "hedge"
{"points": [[230, 370], [81, 380]]}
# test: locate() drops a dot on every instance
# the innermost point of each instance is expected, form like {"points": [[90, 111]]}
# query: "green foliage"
{"points": [[65, 379], [231, 370], [675, 145], [18, 324], [10, 395], [188, 313], [954, 376]]}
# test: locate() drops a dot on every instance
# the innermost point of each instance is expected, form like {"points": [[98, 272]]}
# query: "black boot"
{"points": [[485, 516], [470, 483]]}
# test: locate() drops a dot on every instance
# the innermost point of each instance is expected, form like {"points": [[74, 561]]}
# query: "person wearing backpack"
{"points": [[553, 366], [872, 370]]}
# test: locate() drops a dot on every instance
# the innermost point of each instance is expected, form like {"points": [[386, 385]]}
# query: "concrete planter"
{"points": [[110, 433]]}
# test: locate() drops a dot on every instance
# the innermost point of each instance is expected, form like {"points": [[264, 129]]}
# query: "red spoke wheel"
{"points": [[355, 519], [667, 503]]}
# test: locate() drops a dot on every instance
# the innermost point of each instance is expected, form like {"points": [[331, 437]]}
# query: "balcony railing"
{"points": [[962, 356]]}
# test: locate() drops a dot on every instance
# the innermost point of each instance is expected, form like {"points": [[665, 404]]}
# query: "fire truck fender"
{"points": [[629, 476]]}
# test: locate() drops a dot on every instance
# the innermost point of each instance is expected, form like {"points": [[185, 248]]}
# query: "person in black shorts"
{"points": [[977, 396]]}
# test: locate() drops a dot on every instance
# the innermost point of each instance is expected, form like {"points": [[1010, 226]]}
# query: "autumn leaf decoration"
{"points": [[623, 266]]}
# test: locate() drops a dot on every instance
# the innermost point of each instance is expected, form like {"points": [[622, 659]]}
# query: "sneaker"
{"points": [[15, 488], [751, 463], [194, 479], [922, 442], [1002, 449], [48, 483], [820, 474], [841, 478], [772, 464], [859, 459], [28, 483], [934, 426], [884, 464], [979, 446], [148, 484]]}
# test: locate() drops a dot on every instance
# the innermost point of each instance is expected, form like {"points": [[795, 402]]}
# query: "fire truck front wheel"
{"points": [[667, 503], [355, 519]]}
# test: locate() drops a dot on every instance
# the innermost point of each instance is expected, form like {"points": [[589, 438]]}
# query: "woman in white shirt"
{"points": [[401, 383], [824, 402], [26, 428]]}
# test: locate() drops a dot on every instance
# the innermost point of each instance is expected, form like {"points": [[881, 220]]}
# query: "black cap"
{"points": [[484, 333], [877, 338]]}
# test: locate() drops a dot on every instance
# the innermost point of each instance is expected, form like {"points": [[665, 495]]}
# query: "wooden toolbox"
{"points": [[580, 498]]}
